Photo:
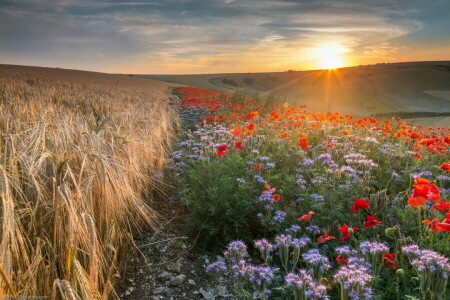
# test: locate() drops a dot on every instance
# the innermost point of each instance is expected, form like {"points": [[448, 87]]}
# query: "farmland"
{"points": [[78, 150]]}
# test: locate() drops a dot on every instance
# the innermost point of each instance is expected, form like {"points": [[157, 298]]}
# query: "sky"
{"points": [[220, 36]]}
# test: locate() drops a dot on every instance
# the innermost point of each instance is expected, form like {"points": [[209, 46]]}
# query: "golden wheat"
{"points": [[78, 150]]}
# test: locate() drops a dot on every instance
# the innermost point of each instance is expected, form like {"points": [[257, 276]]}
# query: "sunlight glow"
{"points": [[329, 55]]}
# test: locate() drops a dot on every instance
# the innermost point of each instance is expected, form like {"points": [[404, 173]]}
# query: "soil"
{"points": [[165, 265]]}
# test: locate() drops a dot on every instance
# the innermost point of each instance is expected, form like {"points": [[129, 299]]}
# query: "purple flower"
{"points": [[316, 291], [298, 280], [313, 257], [259, 179], [260, 275], [431, 261], [412, 250], [279, 216], [240, 180], [293, 229], [317, 198], [216, 267], [236, 252], [345, 250], [373, 248], [264, 246], [314, 229], [283, 240], [354, 278], [301, 242]]}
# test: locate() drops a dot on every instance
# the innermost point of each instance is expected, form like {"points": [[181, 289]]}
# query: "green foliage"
{"points": [[219, 208]]}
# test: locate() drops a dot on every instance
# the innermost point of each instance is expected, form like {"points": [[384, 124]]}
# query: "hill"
{"points": [[394, 88]]}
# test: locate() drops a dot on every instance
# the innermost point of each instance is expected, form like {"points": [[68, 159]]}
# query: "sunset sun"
{"points": [[329, 56]]}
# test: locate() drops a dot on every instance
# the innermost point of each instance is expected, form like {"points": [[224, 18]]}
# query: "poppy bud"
{"points": [[351, 231], [400, 273], [390, 232]]}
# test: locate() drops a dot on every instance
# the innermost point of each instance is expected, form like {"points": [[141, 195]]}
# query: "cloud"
{"points": [[199, 32]]}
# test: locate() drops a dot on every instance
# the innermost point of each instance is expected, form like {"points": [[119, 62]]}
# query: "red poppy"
{"points": [[359, 204], [251, 126], [414, 135], [267, 187], [236, 132], [445, 166], [433, 224], [303, 143], [345, 232], [222, 150], [325, 237], [274, 116], [389, 260], [370, 221], [447, 220], [258, 166], [442, 206], [423, 190], [434, 193], [345, 132], [341, 260], [306, 217], [443, 226], [238, 145], [276, 197]]}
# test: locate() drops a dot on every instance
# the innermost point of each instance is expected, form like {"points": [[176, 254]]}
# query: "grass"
{"points": [[77, 154]]}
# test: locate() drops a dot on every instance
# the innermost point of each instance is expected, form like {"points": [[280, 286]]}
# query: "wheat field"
{"points": [[78, 150]]}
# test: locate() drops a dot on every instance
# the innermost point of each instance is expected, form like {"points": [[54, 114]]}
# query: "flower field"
{"points": [[312, 205]]}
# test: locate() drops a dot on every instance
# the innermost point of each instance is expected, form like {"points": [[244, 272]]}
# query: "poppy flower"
{"points": [[303, 143], [341, 260], [359, 204], [236, 132], [443, 226], [222, 150], [442, 206], [445, 166], [370, 221], [258, 166], [325, 237], [274, 116], [346, 233], [306, 217], [423, 190], [389, 260], [251, 126], [267, 187], [276, 197], [433, 224], [345, 132], [414, 136], [239, 146]]}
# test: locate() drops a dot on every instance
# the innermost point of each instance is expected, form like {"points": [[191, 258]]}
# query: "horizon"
{"points": [[217, 37]]}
